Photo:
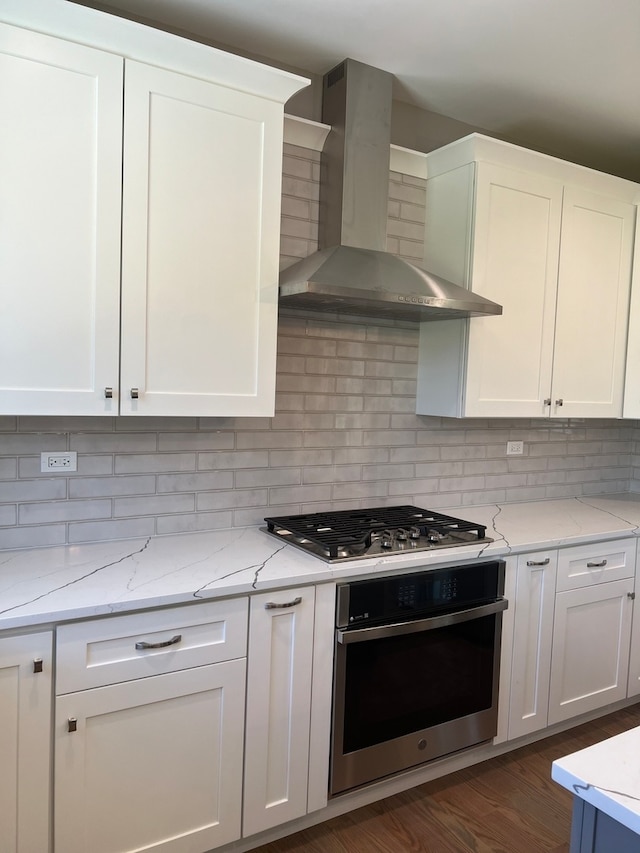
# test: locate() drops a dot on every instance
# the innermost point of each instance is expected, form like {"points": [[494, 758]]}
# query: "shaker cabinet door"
{"points": [[60, 174], [25, 743], [593, 305], [515, 259], [201, 210]]}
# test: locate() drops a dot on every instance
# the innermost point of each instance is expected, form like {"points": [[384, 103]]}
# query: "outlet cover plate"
{"points": [[515, 448], [56, 462]]}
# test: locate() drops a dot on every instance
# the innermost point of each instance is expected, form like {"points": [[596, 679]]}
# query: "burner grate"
{"points": [[352, 530]]}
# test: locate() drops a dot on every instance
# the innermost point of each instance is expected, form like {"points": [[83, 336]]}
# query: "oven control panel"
{"points": [[389, 599]]}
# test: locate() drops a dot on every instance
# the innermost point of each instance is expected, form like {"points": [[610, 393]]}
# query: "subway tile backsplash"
{"points": [[345, 433]]}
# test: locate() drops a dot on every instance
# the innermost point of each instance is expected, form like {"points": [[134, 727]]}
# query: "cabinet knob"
{"points": [[72, 724], [37, 664], [560, 402], [547, 402], [544, 562], [108, 393], [135, 393], [599, 565], [631, 595], [271, 605]]}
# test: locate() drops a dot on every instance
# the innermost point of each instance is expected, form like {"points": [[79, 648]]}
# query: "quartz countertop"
{"points": [[47, 585], [606, 775]]}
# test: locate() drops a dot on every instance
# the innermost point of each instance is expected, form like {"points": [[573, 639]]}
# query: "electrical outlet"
{"points": [[515, 448], [53, 461]]}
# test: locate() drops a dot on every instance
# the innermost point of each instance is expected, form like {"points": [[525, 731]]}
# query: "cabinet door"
{"points": [[60, 173], [201, 209], [591, 636], [533, 628], [514, 263], [278, 708], [593, 305], [154, 764], [25, 743]]}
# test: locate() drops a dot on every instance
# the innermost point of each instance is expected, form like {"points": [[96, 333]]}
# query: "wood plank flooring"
{"points": [[506, 805]]}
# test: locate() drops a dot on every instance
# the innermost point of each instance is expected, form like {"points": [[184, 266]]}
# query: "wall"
{"points": [[344, 433]]}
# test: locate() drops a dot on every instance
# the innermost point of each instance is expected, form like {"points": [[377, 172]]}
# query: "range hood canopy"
{"points": [[353, 273]]}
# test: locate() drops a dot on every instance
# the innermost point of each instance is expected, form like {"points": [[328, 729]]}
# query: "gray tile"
{"points": [[153, 463], [299, 494], [195, 482], [389, 438], [388, 472], [333, 438], [8, 423], [99, 531], [32, 537], [196, 441], [66, 424], [439, 469], [21, 444], [153, 505], [414, 454], [33, 490], [360, 455], [334, 367], [8, 515], [156, 424], [218, 461], [112, 442], [168, 524], [267, 477], [268, 440], [332, 474], [308, 456], [50, 512], [232, 499], [96, 487], [349, 491], [461, 484], [9, 468]]}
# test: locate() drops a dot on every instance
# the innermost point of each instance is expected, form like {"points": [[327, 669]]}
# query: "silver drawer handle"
{"points": [[108, 393], [135, 393], [271, 605], [163, 645], [539, 562], [597, 565], [560, 402]]}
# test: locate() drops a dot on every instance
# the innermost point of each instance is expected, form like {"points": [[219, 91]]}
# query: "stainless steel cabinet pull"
{"points": [[597, 565], [162, 645], [271, 605], [631, 595], [37, 664], [135, 393], [560, 402], [539, 562], [547, 402], [72, 724], [108, 393]]}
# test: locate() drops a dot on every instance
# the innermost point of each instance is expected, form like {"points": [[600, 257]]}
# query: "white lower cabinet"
{"points": [[288, 706], [160, 715], [591, 641], [533, 628], [572, 633], [155, 762], [25, 743]]}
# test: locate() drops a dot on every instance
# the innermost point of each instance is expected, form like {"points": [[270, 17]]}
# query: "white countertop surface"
{"points": [[46, 585], [607, 775]]}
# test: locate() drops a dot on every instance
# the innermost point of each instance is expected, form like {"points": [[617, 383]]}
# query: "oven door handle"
{"points": [[361, 635]]}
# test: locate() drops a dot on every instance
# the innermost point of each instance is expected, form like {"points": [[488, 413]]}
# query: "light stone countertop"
{"points": [[606, 775], [47, 585]]}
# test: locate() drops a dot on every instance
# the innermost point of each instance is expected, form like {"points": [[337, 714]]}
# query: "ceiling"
{"points": [[562, 76]]}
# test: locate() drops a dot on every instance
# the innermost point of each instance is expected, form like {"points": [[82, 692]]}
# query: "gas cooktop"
{"points": [[365, 533]]}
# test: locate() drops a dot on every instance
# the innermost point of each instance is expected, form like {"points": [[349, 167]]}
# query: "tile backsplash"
{"points": [[345, 433]]}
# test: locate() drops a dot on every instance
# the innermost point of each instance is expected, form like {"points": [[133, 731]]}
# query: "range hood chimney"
{"points": [[353, 273]]}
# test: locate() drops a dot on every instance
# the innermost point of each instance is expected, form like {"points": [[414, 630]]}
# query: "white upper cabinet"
{"points": [[184, 194], [552, 243], [60, 173], [201, 231]]}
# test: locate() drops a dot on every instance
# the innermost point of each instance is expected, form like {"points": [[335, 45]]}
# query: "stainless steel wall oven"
{"points": [[416, 669]]}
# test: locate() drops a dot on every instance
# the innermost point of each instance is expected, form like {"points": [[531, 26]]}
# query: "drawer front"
{"points": [[592, 564], [121, 648]]}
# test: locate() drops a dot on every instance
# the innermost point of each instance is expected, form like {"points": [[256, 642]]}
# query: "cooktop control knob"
{"points": [[386, 539], [414, 532]]}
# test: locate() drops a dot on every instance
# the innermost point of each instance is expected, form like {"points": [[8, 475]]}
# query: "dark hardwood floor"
{"points": [[506, 805]]}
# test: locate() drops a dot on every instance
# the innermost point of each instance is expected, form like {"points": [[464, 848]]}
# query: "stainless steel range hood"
{"points": [[353, 273]]}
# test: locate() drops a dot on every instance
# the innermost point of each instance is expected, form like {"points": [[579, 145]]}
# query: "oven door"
{"points": [[410, 692]]}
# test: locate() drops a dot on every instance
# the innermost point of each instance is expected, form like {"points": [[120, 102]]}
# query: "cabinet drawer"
{"points": [[106, 651], [593, 564]]}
